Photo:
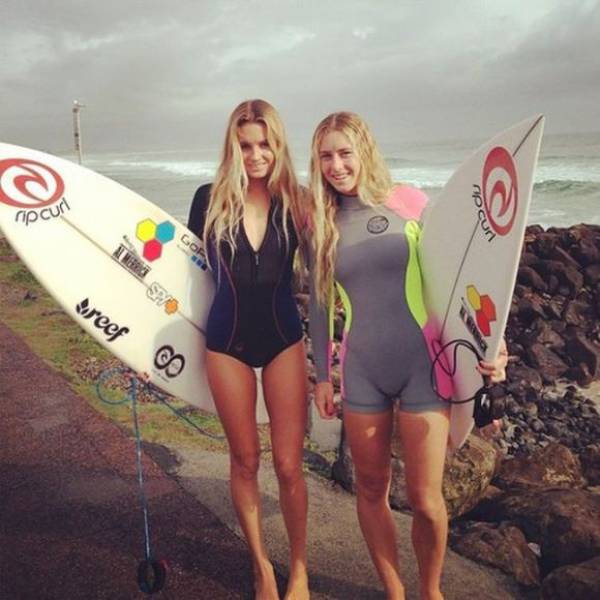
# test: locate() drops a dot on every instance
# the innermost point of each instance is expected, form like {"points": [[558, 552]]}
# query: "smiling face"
{"points": [[339, 163], [257, 154]]}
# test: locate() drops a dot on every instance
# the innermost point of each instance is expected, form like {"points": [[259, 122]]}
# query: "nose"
{"points": [[255, 154], [336, 163]]}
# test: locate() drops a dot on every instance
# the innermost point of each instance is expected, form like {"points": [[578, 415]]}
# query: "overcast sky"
{"points": [[166, 74]]}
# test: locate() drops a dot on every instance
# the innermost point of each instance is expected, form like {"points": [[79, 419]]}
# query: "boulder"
{"points": [[582, 350], [547, 362], [590, 463], [578, 313], [554, 466], [499, 545], [467, 474], [573, 582], [529, 277], [565, 523]]}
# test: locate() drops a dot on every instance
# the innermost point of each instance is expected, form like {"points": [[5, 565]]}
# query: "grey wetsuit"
{"points": [[385, 353]]}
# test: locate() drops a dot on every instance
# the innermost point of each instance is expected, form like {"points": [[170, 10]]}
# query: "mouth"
{"points": [[340, 179]]}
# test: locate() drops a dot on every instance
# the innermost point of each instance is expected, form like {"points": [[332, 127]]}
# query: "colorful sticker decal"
{"points": [[154, 237], [194, 250], [161, 297], [33, 187], [484, 310], [497, 197], [100, 321], [167, 361], [127, 256]]}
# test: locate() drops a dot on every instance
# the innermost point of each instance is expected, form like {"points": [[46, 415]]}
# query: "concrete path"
{"points": [[70, 518]]}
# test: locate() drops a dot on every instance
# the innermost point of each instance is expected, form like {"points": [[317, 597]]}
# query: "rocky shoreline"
{"points": [[526, 498]]}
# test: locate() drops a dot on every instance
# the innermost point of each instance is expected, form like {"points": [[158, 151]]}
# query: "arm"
{"points": [[321, 334]]}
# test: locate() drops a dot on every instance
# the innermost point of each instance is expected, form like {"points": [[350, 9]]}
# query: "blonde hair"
{"points": [[374, 186], [228, 192]]}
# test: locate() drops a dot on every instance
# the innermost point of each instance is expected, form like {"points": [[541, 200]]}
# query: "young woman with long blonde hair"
{"points": [[365, 233], [249, 219]]}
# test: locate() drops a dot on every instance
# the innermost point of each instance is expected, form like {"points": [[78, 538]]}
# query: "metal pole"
{"points": [[77, 129]]}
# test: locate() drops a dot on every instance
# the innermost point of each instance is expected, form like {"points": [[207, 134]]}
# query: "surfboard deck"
{"points": [[469, 253], [127, 272]]}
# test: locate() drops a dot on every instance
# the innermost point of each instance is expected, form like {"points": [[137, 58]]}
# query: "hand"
{"points": [[324, 400], [495, 370]]}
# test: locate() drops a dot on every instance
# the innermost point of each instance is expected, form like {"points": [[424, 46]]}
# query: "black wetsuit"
{"points": [[254, 315]]}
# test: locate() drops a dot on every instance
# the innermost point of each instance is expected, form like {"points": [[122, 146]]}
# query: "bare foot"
{"points": [[297, 588], [265, 586]]}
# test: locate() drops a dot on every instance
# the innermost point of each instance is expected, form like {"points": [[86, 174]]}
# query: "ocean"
{"points": [[566, 189]]}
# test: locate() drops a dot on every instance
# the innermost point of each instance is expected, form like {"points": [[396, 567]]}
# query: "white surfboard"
{"points": [[126, 271], [469, 253]]}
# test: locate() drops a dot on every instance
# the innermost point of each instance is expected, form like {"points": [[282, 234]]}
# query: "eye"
{"points": [[346, 153], [265, 145], [324, 155], [244, 145]]}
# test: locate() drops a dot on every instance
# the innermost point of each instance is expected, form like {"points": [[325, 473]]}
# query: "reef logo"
{"points": [[100, 321]]}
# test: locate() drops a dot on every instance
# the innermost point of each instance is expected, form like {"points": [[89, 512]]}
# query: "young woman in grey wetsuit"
{"points": [[365, 234]]}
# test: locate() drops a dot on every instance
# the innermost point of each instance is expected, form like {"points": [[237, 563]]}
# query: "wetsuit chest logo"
{"points": [[377, 224]]}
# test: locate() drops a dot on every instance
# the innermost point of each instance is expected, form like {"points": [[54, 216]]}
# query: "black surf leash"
{"points": [[484, 409]]}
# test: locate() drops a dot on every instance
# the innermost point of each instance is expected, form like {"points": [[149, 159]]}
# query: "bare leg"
{"points": [[369, 436], [284, 385], [233, 386], [424, 437]]}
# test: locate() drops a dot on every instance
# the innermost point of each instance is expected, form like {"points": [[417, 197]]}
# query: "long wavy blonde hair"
{"points": [[374, 186], [228, 192]]}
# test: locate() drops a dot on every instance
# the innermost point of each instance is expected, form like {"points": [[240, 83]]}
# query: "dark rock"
{"points": [[528, 259], [498, 545], [542, 332], [586, 252], [553, 283], [591, 275], [551, 467], [564, 257], [548, 363], [573, 582], [554, 308], [590, 463], [581, 350], [527, 276], [581, 374], [544, 244], [565, 523], [568, 276], [578, 313], [530, 309]]}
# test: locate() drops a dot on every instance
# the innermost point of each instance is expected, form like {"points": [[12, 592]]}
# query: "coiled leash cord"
{"points": [[484, 410], [152, 572]]}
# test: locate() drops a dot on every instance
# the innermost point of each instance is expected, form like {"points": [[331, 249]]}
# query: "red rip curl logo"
{"points": [[29, 184], [500, 190]]}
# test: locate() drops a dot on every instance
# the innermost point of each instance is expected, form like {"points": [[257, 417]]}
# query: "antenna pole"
{"points": [[77, 129]]}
